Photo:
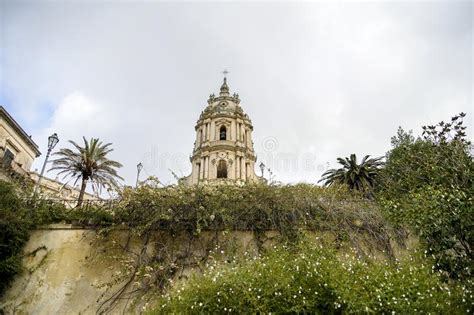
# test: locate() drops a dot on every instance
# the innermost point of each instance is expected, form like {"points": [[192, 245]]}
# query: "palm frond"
{"points": [[356, 176]]}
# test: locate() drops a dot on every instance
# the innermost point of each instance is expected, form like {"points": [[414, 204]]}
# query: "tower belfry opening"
{"points": [[223, 133]]}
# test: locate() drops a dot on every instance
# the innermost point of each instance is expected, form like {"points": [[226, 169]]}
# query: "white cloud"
{"points": [[327, 79]]}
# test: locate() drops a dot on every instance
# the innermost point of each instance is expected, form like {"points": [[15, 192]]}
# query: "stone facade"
{"points": [[223, 150], [55, 189], [17, 149], [17, 153]]}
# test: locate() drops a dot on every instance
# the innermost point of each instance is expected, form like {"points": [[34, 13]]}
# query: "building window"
{"points": [[222, 169], [8, 158], [223, 133]]}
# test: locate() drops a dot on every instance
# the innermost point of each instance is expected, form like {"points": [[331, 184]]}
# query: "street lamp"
{"points": [[52, 141], [262, 167], [270, 176], [139, 169]]}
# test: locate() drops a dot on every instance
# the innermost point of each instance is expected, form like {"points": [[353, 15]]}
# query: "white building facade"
{"points": [[223, 150]]}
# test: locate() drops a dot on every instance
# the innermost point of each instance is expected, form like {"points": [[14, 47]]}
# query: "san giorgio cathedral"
{"points": [[223, 150]]}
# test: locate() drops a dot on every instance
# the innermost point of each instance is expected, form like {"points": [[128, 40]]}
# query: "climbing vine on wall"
{"points": [[171, 222]]}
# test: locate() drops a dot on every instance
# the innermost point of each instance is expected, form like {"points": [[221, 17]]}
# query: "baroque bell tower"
{"points": [[223, 150]]}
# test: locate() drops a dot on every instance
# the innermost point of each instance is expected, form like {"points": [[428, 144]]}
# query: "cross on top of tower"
{"points": [[224, 87]]}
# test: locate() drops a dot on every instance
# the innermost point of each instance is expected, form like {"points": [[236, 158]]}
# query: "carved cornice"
{"points": [[239, 150], [213, 98], [234, 116]]}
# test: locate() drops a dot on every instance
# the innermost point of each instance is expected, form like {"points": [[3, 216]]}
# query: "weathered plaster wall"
{"points": [[58, 279], [68, 270], [65, 274]]}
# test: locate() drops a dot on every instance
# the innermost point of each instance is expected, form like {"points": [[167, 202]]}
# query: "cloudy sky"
{"points": [[319, 80]]}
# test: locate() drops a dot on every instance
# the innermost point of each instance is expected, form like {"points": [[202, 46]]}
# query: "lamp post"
{"points": [[262, 167], [139, 169], [52, 141], [270, 176]]}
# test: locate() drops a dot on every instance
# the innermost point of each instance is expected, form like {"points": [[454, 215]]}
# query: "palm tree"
{"points": [[357, 176], [88, 163]]}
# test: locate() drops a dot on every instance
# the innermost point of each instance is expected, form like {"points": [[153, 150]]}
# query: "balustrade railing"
{"points": [[88, 204]]}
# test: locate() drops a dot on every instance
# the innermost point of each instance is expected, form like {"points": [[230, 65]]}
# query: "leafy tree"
{"points": [[356, 176], [18, 216], [441, 157], [15, 223], [88, 163], [428, 184]]}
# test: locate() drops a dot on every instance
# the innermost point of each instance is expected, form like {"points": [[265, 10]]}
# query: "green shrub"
{"points": [[314, 279], [15, 223], [443, 217], [18, 215], [288, 209], [428, 186], [92, 215], [184, 212]]}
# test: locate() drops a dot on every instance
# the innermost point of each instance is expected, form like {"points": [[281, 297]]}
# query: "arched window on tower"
{"points": [[223, 133], [222, 169]]}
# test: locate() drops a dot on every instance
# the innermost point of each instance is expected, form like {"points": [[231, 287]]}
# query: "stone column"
{"points": [[207, 167], [231, 169], [232, 131], [213, 130], [212, 173], [198, 138], [201, 175], [246, 137], [242, 169], [237, 131], [195, 172], [237, 167], [204, 168]]}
